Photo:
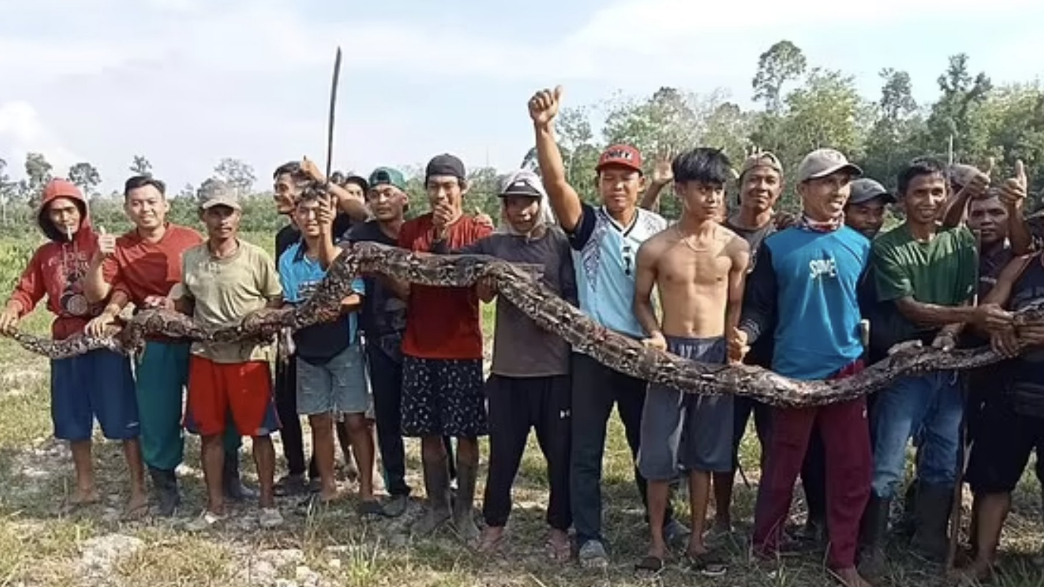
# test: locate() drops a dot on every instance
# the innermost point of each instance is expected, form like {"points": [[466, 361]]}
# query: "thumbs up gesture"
{"points": [[106, 242], [1013, 192], [543, 106]]}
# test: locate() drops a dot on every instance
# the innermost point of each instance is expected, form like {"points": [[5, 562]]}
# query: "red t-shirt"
{"points": [[141, 269], [442, 322]]}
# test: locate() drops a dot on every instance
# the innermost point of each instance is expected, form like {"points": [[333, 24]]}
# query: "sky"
{"points": [[188, 82]]}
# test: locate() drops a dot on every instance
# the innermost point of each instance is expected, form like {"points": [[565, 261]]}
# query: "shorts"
{"points": [[1002, 448], [443, 397], [336, 386], [686, 431], [98, 385], [216, 390]]}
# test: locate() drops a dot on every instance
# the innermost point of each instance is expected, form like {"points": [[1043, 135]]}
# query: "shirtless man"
{"points": [[699, 267]]}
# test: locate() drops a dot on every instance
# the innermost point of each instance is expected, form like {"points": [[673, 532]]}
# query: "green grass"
{"points": [[42, 547]]}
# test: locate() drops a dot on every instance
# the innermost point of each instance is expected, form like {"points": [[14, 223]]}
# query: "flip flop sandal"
{"points": [[709, 564], [649, 567]]}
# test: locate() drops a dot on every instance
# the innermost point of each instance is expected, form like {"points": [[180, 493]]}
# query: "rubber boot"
{"points": [[932, 508], [436, 485], [234, 488], [873, 534], [908, 522], [464, 503], [165, 492]]}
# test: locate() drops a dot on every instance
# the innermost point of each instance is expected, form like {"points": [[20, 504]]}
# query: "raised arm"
{"points": [[662, 175], [644, 280], [1013, 195], [95, 285], [543, 108], [349, 204], [957, 206]]}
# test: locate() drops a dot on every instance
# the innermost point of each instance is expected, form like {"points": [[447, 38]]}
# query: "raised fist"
{"points": [[543, 106]]}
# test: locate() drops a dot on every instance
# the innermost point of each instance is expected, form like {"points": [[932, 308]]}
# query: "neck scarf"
{"points": [[822, 225]]}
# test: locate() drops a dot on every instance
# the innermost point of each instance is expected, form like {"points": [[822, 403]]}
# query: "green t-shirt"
{"points": [[940, 272], [225, 291]]}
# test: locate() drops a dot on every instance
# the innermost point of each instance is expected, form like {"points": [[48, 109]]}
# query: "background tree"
{"points": [[86, 177], [141, 166], [37, 173], [237, 173]]}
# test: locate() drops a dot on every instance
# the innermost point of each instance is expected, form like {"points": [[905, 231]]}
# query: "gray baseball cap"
{"points": [[823, 162], [521, 182], [865, 189]]}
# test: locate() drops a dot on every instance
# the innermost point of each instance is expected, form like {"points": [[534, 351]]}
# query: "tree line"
{"points": [[798, 107]]}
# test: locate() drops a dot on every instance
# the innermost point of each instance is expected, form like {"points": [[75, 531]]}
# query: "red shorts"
{"points": [[242, 389]]}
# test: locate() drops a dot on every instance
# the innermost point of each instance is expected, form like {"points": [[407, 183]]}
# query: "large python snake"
{"points": [[545, 308]]}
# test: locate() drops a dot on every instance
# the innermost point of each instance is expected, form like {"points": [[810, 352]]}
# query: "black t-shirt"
{"points": [[383, 315], [761, 351]]}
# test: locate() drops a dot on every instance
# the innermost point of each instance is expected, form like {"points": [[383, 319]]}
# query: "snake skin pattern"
{"points": [[519, 287]]}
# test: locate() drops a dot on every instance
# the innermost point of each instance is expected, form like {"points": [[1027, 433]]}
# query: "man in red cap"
{"points": [[97, 384], [605, 243]]}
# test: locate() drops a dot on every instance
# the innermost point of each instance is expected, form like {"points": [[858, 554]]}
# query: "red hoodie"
{"points": [[58, 266]]}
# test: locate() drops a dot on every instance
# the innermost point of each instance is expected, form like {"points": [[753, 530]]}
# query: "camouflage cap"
{"points": [[215, 192], [761, 159]]}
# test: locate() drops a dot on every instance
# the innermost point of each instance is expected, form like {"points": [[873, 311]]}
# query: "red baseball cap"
{"points": [[621, 156]]}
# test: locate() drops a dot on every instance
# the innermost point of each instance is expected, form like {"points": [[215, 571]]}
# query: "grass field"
{"points": [[41, 546]]}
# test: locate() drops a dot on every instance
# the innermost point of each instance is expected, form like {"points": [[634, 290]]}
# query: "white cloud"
{"points": [[22, 131]]}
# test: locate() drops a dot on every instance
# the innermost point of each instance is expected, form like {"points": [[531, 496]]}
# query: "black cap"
{"points": [[445, 164], [357, 180], [865, 189]]}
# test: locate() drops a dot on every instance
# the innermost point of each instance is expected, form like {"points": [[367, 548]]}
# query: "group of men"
{"points": [[794, 294]]}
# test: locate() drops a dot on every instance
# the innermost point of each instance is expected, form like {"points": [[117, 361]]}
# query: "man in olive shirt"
{"points": [[224, 280], [929, 274]]}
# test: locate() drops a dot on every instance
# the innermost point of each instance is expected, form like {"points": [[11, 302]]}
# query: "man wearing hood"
{"points": [[97, 384], [529, 385]]}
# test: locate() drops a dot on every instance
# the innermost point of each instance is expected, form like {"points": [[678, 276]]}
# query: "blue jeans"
{"points": [[926, 407]]}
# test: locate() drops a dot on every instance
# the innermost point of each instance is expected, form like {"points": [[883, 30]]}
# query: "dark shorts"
{"points": [[443, 397], [98, 385], [686, 431], [1002, 448]]}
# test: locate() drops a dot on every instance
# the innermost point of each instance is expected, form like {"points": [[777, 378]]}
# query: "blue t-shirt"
{"points": [[300, 276], [604, 254], [803, 292]]}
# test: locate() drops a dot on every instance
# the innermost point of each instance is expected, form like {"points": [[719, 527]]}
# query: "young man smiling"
{"points": [[529, 382], [803, 292], [605, 243], [928, 273], [698, 267], [331, 377], [224, 280], [142, 267]]}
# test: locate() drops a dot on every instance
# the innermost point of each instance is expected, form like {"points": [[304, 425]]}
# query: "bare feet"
{"points": [[82, 497], [559, 547], [491, 539], [137, 507], [850, 578]]}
